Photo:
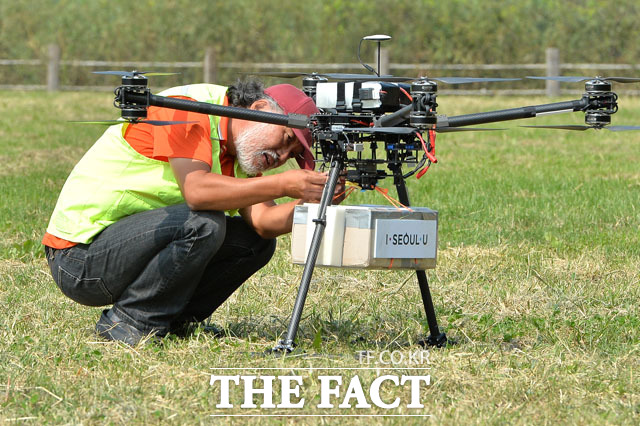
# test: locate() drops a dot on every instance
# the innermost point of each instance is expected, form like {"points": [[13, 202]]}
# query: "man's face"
{"points": [[262, 146]]}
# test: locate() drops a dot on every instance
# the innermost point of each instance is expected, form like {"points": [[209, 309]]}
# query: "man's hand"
{"points": [[204, 190], [308, 186], [340, 192], [305, 185]]}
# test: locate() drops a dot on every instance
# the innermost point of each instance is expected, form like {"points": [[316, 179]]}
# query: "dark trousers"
{"points": [[162, 267]]}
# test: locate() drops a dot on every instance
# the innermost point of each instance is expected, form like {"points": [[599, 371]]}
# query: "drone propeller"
{"points": [[583, 127], [335, 76], [134, 73], [574, 79], [151, 122], [463, 80], [387, 78]]}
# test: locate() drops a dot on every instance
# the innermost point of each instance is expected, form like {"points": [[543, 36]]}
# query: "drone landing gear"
{"points": [[287, 345], [436, 338]]}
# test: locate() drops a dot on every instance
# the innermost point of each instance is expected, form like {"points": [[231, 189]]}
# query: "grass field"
{"points": [[537, 282]]}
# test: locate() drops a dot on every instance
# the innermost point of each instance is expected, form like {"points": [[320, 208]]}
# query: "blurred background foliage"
{"points": [[433, 31]]}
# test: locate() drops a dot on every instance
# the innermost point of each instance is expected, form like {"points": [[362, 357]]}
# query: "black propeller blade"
{"points": [[134, 73], [335, 76], [622, 128], [583, 127], [151, 122], [463, 80], [388, 78], [575, 79]]}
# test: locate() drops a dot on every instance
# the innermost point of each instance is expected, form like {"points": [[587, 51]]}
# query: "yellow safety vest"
{"points": [[113, 180]]}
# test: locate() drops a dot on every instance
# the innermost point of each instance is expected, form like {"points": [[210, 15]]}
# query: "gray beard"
{"points": [[249, 150]]}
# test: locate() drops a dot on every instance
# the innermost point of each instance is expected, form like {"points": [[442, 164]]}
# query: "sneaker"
{"points": [[112, 327]]}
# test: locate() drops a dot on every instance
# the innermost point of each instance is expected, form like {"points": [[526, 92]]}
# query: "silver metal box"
{"points": [[368, 237]]}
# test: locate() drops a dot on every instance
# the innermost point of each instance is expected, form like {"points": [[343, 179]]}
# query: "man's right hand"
{"points": [[305, 185], [203, 190]]}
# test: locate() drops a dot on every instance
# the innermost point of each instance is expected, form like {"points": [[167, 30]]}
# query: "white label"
{"points": [[405, 239]]}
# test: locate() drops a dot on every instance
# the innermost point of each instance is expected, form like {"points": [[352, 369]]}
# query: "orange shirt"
{"points": [[163, 142]]}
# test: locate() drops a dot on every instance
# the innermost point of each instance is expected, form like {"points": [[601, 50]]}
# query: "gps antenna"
{"points": [[378, 38]]}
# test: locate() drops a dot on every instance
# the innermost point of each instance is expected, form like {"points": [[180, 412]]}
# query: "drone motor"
{"points": [[423, 92], [137, 84], [602, 103], [309, 84]]}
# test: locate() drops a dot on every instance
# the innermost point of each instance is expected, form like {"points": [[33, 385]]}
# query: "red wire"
{"points": [[422, 172], [432, 139], [424, 146], [430, 155], [406, 93]]}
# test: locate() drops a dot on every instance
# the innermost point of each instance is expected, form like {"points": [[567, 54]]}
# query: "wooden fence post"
{"points": [[209, 68], [53, 68], [553, 69]]}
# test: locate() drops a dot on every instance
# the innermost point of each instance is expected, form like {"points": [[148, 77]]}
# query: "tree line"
{"points": [[328, 31]]}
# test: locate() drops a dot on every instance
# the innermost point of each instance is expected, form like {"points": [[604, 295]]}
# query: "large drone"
{"points": [[372, 126]]}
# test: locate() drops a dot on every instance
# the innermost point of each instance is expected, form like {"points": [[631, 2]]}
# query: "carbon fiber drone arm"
{"points": [[141, 100], [514, 113]]}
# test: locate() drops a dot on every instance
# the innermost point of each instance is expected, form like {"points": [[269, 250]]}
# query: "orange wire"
{"points": [[406, 93], [393, 201], [346, 193]]}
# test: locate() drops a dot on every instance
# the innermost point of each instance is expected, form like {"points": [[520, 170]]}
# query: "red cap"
{"points": [[293, 101]]}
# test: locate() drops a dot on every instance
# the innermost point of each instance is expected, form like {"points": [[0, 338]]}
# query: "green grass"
{"points": [[537, 281]]}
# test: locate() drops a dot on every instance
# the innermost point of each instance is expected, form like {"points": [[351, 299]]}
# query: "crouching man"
{"points": [[164, 223]]}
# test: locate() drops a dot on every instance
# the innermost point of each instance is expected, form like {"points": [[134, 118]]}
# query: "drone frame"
{"points": [[329, 130]]}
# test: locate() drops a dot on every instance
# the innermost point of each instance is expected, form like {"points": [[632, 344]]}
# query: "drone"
{"points": [[372, 126]]}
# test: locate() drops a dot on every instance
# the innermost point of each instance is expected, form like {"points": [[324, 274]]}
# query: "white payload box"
{"points": [[368, 237]]}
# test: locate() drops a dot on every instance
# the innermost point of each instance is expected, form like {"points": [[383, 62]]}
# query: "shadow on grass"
{"points": [[316, 332]]}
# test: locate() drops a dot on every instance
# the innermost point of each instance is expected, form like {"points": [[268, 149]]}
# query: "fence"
{"points": [[210, 68]]}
